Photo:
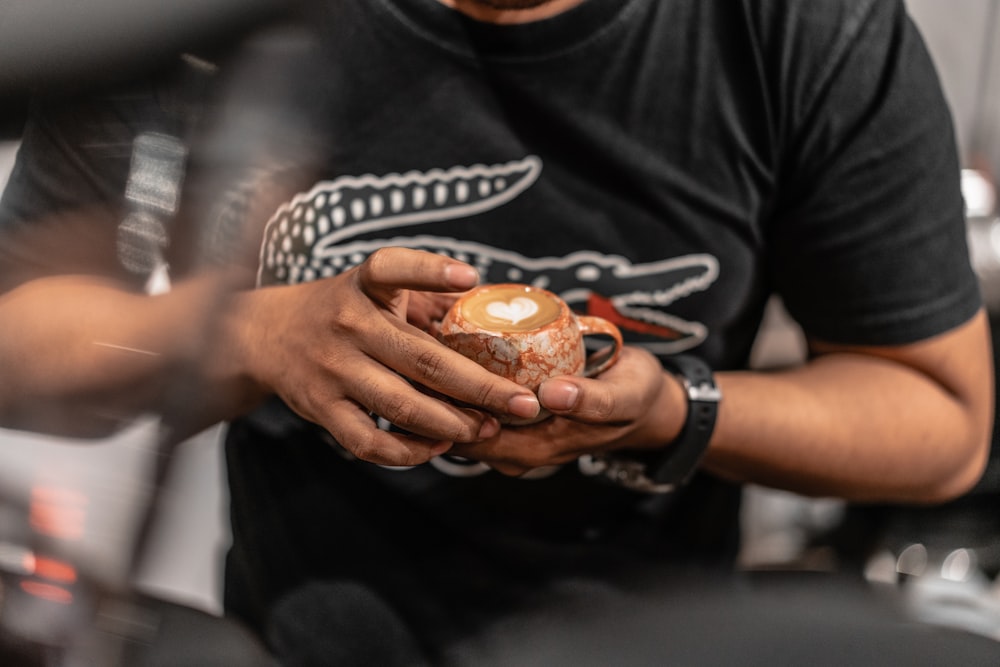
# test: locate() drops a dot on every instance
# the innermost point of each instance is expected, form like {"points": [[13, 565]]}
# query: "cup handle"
{"points": [[601, 360]]}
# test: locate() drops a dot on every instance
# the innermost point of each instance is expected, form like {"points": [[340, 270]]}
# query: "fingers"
{"points": [[426, 309], [584, 400], [389, 270], [432, 426], [517, 450], [390, 396], [631, 405], [415, 355], [340, 348], [396, 400], [622, 394], [388, 278], [352, 426]]}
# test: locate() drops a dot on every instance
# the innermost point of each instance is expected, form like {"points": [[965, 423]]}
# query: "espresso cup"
{"points": [[526, 334]]}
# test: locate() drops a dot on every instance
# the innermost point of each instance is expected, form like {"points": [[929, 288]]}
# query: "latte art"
{"points": [[514, 311], [515, 308], [525, 334]]}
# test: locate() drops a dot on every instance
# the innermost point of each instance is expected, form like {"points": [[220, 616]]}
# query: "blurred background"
{"points": [[190, 531]]}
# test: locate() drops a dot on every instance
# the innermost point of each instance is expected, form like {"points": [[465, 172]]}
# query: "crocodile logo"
{"points": [[302, 230], [314, 235]]}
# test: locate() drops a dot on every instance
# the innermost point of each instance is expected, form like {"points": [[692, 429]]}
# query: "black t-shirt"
{"points": [[669, 165]]}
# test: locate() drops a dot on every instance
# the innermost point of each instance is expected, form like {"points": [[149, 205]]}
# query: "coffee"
{"points": [[526, 334], [511, 308]]}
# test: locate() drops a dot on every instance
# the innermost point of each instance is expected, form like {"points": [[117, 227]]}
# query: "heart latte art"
{"points": [[519, 308], [525, 334], [510, 309]]}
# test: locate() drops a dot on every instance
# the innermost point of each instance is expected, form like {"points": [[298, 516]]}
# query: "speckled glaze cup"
{"points": [[526, 334]]}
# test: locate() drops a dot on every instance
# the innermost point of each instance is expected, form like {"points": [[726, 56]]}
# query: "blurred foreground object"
{"points": [[766, 619], [67, 542], [984, 233], [46, 43]]}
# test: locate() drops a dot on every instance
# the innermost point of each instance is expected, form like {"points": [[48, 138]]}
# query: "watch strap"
{"points": [[682, 457]]}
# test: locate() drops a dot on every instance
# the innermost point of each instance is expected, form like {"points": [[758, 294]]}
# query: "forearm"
{"points": [[80, 354], [860, 426]]}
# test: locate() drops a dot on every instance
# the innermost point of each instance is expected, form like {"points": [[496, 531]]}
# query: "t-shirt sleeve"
{"points": [[868, 242]]}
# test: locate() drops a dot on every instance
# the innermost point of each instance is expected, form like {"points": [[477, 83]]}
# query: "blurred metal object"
{"points": [[912, 562], [943, 587], [983, 229], [979, 193], [153, 192]]}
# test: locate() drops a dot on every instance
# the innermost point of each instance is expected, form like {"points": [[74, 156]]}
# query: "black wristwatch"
{"points": [[672, 469]]}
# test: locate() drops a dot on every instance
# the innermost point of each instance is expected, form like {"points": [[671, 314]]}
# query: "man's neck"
{"points": [[482, 11]]}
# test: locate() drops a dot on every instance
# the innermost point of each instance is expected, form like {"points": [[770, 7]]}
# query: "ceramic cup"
{"points": [[527, 334]]}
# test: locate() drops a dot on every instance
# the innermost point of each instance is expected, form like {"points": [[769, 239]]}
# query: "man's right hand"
{"points": [[340, 349]]}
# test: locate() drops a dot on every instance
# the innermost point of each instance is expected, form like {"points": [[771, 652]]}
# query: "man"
{"points": [[670, 165]]}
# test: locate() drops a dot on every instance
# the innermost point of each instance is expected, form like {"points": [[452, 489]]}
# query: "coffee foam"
{"points": [[510, 309]]}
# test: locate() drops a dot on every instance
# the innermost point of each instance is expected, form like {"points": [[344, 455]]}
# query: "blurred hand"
{"points": [[339, 349], [634, 405]]}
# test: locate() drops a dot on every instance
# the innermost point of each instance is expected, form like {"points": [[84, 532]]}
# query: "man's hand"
{"points": [[634, 404], [341, 349]]}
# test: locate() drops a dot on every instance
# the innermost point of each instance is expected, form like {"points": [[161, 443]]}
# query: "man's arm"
{"points": [[82, 355], [336, 350], [908, 423]]}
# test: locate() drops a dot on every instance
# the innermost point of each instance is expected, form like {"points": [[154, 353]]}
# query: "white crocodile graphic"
{"points": [[314, 236], [333, 211]]}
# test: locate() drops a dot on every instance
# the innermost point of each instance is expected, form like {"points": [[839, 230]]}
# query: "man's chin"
{"points": [[511, 4]]}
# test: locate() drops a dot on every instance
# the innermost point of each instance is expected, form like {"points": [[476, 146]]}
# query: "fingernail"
{"points": [[489, 428], [559, 395], [524, 405], [461, 276]]}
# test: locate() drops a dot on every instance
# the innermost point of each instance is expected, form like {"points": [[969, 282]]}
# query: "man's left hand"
{"points": [[633, 405]]}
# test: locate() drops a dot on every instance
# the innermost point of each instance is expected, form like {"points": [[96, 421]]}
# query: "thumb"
{"points": [[559, 395]]}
